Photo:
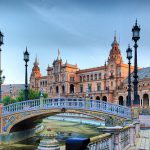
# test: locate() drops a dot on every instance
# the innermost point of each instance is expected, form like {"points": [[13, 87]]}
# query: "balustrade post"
{"points": [[41, 101], [132, 135], [137, 128]]}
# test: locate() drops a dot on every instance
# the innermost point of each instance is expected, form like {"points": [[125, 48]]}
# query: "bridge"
{"points": [[21, 115]]}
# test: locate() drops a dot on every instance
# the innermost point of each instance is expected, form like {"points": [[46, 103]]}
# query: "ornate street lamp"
{"points": [[26, 59], [2, 78], [129, 56], [135, 38]]}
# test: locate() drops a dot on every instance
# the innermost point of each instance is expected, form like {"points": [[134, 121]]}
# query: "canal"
{"points": [[64, 130]]}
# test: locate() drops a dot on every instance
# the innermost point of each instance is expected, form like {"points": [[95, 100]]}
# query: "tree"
{"points": [[8, 100], [33, 94]]}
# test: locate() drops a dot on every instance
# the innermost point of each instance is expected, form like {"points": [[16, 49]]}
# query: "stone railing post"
{"points": [[137, 128], [132, 136], [41, 101]]}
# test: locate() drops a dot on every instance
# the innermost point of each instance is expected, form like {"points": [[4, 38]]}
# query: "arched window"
{"points": [[80, 79], [71, 88], [57, 89], [97, 98], [51, 89], [120, 100], [63, 89], [145, 100], [104, 98]]}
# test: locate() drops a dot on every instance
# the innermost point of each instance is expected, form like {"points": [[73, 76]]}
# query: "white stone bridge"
{"points": [[20, 115]]}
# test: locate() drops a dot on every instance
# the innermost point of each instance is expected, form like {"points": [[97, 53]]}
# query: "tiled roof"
{"points": [[143, 73]]}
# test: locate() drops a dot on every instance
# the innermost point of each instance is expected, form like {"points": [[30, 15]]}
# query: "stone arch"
{"points": [[71, 88], [120, 100], [97, 98], [104, 98], [145, 100]]}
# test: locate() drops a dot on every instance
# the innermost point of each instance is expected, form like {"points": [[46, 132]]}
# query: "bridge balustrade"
{"points": [[101, 142], [69, 103]]}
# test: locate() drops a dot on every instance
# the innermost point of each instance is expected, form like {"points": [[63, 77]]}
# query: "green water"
{"points": [[76, 130]]}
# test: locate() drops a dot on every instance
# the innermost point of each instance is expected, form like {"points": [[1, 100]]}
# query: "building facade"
{"points": [[11, 90], [107, 82]]}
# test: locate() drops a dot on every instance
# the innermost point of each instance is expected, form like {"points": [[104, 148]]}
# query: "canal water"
{"points": [[63, 129]]}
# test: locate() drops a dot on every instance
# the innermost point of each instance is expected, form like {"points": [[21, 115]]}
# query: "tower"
{"points": [[114, 66], [115, 54], [35, 75]]}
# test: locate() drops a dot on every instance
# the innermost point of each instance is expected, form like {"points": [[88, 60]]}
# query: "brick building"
{"points": [[107, 82]]}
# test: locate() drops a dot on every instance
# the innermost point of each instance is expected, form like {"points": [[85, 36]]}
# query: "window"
{"points": [[90, 87], [111, 83], [51, 89], [57, 89], [81, 88], [95, 76], [98, 86], [80, 79], [91, 77], [100, 75], [72, 79], [57, 78], [83, 78], [87, 77], [63, 89]]}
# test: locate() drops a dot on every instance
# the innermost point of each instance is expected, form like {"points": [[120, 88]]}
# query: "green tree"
{"points": [[8, 100], [33, 94]]}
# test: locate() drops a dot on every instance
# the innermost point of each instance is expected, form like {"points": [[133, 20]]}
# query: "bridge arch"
{"points": [[104, 98], [30, 121]]}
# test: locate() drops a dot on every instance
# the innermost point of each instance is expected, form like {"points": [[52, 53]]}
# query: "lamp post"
{"points": [[2, 78], [129, 57], [26, 59], [135, 38]]}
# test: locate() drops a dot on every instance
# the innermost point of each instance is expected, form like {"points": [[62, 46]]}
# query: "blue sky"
{"points": [[83, 30]]}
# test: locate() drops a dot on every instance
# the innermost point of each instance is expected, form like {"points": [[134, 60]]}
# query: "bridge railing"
{"points": [[110, 138], [68, 103], [102, 142]]}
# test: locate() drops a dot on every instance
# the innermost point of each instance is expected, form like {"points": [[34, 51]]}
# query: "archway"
{"points": [[145, 100], [97, 98], [71, 88], [120, 100], [104, 98]]}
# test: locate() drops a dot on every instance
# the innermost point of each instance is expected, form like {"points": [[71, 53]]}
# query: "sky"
{"points": [[83, 31]]}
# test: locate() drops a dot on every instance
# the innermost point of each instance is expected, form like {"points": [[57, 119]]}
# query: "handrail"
{"points": [[69, 103]]}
